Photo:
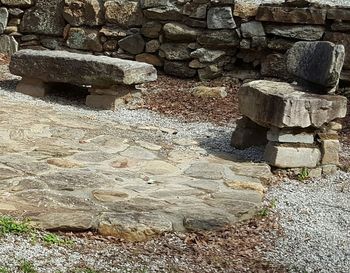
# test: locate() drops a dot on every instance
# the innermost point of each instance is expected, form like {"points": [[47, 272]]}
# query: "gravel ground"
{"points": [[315, 217]]}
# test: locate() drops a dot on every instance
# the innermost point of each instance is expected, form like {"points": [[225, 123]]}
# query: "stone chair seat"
{"points": [[281, 104]]}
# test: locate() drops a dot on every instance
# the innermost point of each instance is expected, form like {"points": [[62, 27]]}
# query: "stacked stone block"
{"points": [[298, 121], [174, 34]]}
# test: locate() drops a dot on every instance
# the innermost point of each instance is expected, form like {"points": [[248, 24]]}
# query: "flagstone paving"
{"points": [[68, 171]]}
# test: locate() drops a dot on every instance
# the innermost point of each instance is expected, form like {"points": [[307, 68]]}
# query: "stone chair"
{"points": [[298, 121]]}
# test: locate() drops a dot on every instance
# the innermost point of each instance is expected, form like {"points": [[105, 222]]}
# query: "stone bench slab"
{"points": [[279, 104], [80, 69]]}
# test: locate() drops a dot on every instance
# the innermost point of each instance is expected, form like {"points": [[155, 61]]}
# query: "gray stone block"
{"points": [[316, 62], [289, 136], [283, 156]]}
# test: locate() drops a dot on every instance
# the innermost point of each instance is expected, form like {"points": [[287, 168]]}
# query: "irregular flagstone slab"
{"points": [[133, 226], [66, 221], [282, 105], [62, 66], [207, 170], [323, 68]]}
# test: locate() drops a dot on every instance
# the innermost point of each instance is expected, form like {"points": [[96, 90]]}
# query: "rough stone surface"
{"points": [[290, 136], [18, 3], [8, 44], [206, 55], [220, 18], [4, 15], [33, 87], [134, 44], [219, 38], [44, 18], [300, 32], [282, 105], [275, 65], [337, 14], [166, 13], [316, 62], [340, 39], [330, 151], [252, 29], [248, 134], [84, 39], [151, 29], [98, 70], [312, 16], [176, 51], [78, 13], [124, 13], [179, 69], [180, 32], [283, 156]]}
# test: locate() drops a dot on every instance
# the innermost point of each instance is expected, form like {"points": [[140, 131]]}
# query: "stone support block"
{"points": [[290, 136], [292, 156], [33, 87], [248, 134], [330, 151], [104, 102], [110, 98]]}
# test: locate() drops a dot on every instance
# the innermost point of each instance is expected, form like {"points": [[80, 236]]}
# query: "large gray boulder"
{"points": [[319, 63], [282, 105], [80, 69]]}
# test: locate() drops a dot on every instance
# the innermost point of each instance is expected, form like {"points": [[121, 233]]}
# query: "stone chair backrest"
{"points": [[316, 65]]}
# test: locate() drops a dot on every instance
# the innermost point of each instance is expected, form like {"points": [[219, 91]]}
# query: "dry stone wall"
{"points": [[185, 38]]}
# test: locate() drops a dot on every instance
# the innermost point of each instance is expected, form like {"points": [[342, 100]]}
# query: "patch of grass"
{"points": [[4, 270], [304, 174], [27, 267], [54, 239], [265, 211], [9, 225]]}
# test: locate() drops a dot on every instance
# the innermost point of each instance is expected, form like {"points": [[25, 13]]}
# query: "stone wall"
{"points": [[185, 38]]}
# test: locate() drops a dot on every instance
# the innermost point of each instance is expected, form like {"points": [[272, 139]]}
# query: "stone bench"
{"points": [[108, 79], [298, 121]]}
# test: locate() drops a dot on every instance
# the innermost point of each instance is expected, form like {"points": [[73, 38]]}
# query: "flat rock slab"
{"points": [[80, 69], [279, 104]]}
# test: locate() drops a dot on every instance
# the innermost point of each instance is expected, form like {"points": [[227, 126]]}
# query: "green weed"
{"points": [[9, 225], [304, 174], [53, 239], [27, 267]]}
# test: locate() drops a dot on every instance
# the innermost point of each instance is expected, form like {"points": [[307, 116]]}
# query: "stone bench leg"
{"points": [[33, 87], [248, 134], [110, 98]]}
